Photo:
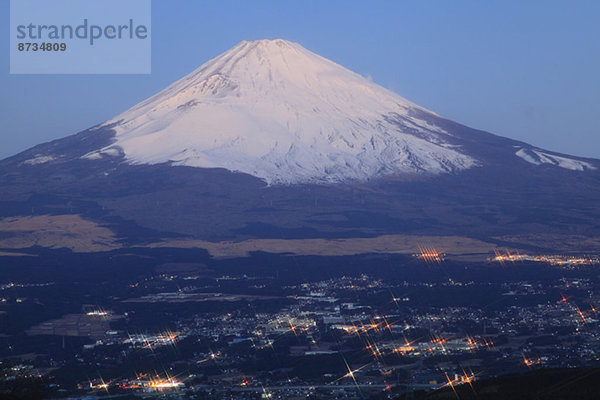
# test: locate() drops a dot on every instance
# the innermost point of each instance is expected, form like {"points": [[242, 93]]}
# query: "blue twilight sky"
{"points": [[528, 70]]}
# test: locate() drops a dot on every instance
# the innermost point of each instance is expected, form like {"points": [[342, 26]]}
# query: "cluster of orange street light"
{"points": [[152, 341], [478, 343], [530, 362], [159, 383], [429, 255], [99, 312], [404, 349], [154, 382], [459, 379], [298, 328], [507, 256], [372, 325], [580, 315]]}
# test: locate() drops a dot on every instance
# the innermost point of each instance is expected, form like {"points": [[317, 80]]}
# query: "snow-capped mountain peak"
{"points": [[273, 109]]}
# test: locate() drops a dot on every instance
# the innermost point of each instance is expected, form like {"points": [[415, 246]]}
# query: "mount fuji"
{"points": [[275, 110], [271, 140]]}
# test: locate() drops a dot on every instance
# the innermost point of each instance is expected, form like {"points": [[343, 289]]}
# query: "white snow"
{"points": [[539, 157], [272, 109], [99, 154], [39, 159]]}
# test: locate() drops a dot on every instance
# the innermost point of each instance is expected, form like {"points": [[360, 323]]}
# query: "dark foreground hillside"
{"points": [[545, 384]]}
